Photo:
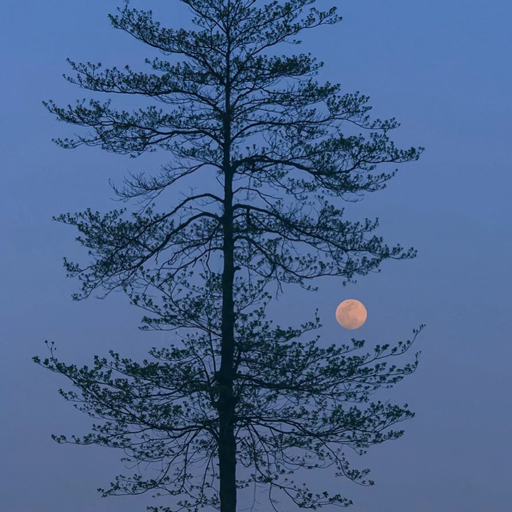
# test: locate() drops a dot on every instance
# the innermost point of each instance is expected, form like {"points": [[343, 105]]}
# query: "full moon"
{"points": [[351, 314]]}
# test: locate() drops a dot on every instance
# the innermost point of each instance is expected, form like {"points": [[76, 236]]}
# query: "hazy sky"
{"points": [[443, 69]]}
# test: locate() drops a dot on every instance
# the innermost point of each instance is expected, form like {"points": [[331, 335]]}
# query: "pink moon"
{"points": [[351, 314]]}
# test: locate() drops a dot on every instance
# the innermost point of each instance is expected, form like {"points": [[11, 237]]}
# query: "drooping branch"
{"points": [[123, 247]]}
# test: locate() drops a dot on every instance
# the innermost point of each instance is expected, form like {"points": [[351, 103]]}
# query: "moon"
{"points": [[351, 314]]}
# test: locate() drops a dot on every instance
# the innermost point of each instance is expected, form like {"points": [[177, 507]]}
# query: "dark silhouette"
{"points": [[241, 391]]}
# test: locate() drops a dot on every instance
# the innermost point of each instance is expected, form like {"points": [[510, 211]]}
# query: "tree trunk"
{"points": [[226, 404]]}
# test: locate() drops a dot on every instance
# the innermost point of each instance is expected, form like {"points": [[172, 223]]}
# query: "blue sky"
{"points": [[443, 69]]}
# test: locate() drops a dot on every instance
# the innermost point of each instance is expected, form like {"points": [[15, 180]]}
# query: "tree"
{"points": [[270, 223]]}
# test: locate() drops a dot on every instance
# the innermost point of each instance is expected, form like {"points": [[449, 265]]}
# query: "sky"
{"points": [[443, 69]]}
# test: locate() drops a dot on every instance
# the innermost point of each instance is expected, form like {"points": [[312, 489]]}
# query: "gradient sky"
{"points": [[443, 69]]}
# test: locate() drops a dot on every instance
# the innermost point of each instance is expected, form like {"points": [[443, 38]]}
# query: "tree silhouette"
{"points": [[241, 391]]}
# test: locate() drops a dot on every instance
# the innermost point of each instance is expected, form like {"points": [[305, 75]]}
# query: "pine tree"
{"points": [[240, 391]]}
